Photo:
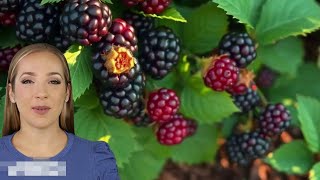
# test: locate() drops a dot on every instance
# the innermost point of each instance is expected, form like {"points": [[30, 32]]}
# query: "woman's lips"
{"points": [[40, 109]]}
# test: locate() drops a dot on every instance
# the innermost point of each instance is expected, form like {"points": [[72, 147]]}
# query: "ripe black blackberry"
{"points": [[247, 101], [239, 46], [274, 119], [140, 23], [36, 22], [6, 56], [120, 34], [85, 21], [121, 103], [140, 117], [159, 52], [266, 77], [245, 147], [9, 5], [115, 71], [60, 42]]}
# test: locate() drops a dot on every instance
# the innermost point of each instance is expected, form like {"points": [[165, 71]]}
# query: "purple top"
{"points": [[81, 159]]}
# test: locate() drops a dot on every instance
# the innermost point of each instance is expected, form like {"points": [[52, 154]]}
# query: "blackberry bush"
{"points": [[159, 52]]}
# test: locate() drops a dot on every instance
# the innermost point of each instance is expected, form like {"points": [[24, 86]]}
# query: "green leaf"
{"points": [[246, 11], [8, 37], [314, 173], [170, 13], [280, 19], [205, 105], [107, 1], [304, 84], [78, 58], [285, 56], [50, 1], [167, 82], [142, 166], [189, 152], [3, 79], [206, 25], [309, 117], [291, 158], [89, 99], [94, 125], [228, 125]]}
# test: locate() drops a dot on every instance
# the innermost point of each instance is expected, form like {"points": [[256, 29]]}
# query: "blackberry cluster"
{"points": [[107, 75], [122, 102], [36, 22], [140, 23], [245, 147], [120, 34], [239, 46], [85, 21], [274, 119], [247, 101], [159, 52], [6, 56]]}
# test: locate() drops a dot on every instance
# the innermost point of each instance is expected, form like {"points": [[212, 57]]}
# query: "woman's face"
{"points": [[39, 90]]}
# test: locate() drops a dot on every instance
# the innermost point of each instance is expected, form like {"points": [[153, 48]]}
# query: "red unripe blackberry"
{"points": [[6, 56], [191, 124], [247, 101], [245, 81], [120, 34], [162, 105], [239, 46], [85, 21], [131, 3], [8, 18], [274, 119], [221, 73], [154, 6], [173, 132], [115, 68], [245, 147], [36, 22], [140, 23]]}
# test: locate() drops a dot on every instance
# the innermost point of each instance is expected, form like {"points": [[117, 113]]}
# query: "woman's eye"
{"points": [[27, 81], [55, 82]]}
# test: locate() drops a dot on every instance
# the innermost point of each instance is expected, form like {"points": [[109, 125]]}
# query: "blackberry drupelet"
{"points": [[140, 23], [159, 52], [121, 103], [120, 34], [239, 46], [36, 22], [85, 21], [247, 101], [115, 68], [274, 119]]}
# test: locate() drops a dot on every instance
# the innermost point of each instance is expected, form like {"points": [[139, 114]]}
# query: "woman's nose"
{"points": [[41, 91]]}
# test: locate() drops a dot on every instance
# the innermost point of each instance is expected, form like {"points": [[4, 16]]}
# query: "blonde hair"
{"points": [[11, 122]]}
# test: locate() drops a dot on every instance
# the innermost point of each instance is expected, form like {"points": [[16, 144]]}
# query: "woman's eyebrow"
{"points": [[34, 74]]}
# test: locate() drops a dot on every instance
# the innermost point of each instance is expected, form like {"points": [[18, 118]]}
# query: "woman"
{"points": [[38, 123]]}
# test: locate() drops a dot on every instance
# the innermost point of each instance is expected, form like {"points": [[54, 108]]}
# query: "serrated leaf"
{"points": [[291, 158], [107, 1], [205, 105], [170, 13], [8, 37], [206, 25], [89, 99], [285, 56], [304, 84], [79, 58], [309, 117], [189, 152], [94, 125], [246, 11], [142, 166], [50, 1], [314, 173], [280, 19]]}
